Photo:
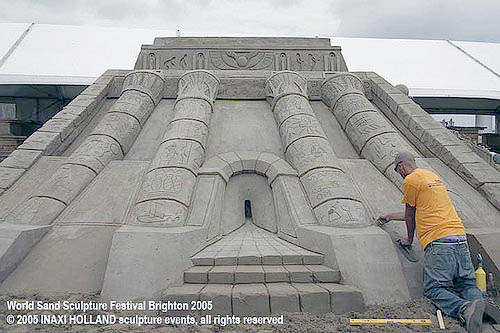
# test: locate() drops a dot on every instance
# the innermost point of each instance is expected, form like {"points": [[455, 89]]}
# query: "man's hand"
{"points": [[383, 220], [405, 241]]}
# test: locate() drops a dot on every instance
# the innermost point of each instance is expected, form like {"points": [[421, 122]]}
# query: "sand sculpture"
{"points": [[249, 171]]}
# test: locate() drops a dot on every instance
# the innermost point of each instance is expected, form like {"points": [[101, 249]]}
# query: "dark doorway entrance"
{"points": [[248, 209]]}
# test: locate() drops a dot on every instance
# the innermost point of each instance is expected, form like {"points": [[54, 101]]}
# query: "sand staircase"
{"points": [[253, 272]]}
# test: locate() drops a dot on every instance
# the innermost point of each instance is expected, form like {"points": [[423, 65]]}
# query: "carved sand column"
{"points": [[332, 195], [369, 132], [110, 140], [167, 188], [372, 135]]}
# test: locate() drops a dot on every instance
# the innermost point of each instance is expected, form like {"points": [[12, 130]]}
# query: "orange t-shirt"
{"points": [[435, 215]]}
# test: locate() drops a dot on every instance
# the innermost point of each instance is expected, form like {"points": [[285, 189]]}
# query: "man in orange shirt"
{"points": [[449, 278]]}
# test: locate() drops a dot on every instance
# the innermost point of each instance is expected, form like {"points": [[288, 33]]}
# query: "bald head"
{"points": [[404, 163], [405, 156]]}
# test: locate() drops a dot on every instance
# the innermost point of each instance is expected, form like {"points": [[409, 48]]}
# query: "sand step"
{"points": [[268, 298], [242, 274], [254, 257], [251, 245]]}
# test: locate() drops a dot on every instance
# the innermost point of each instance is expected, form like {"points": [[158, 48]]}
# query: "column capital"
{"points": [[199, 84], [148, 82], [338, 85], [285, 83]]}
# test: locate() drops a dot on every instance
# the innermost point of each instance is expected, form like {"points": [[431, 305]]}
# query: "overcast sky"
{"points": [[475, 20]]}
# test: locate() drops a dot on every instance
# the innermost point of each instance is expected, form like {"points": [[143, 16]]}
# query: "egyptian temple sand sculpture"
{"points": [[248, 171]]}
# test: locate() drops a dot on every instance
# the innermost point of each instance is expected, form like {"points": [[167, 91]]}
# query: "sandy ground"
{"points": [[295, 322]]}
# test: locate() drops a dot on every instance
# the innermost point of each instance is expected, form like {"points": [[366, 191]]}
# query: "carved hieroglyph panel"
{"points": [[382, 150], [240, 59], [134, 104], [289, 106], [67, 182], [96, 152], [300, 126], [180, 153], [342, 213], [162, 212], [187, 129], [311, 153], [168, 183], [310, 61], [348, 106], [121, 127], [364, 126], [339, 85], [195, 109], [36, 211], [172, 60], [325, 184], [148, 82]]}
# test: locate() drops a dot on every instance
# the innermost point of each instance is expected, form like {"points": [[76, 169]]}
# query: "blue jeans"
{"points": [[449, 277]]}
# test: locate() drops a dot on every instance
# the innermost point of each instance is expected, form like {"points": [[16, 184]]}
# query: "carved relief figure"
{"points": [[241, 60], [300, 62], [152, 61], [185, 129], [179, 153], [364, 126], [384, 147], [183, 62], [331, 62], [200, 61], [162, 182], [96, 152], [325, 184], [343, 213], [313, 60], [63, 179], [27, 211], [283, 62], [288, 106], [169, 63], [157, 211], [300, 126], [333, 212]]}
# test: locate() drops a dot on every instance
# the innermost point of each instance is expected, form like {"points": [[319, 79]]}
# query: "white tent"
{"points": [[433, 70], [62, 54]]}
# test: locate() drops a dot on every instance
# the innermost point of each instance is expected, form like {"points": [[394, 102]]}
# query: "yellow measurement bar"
{"points": [[355, 322]]}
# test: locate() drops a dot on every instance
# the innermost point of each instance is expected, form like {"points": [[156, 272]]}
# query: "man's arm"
{"points": [[410, 224], [398, 216]]}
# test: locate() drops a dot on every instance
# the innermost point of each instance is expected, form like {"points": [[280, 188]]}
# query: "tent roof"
{"points": [[61, 54]]}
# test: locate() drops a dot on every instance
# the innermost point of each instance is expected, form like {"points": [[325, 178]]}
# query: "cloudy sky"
{"points": [[422, 19]]}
